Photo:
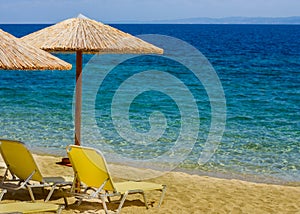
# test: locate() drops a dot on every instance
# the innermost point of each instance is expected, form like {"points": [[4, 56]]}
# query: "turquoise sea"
{"points": [[257, 65]]}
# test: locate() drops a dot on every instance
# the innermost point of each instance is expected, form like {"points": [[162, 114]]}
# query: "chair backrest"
{"points": [[19, 160], [90, 166]]}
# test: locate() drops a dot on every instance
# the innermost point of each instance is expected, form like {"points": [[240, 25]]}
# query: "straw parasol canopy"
{"points": [[17, 55], [84, 35], [88, 36]]}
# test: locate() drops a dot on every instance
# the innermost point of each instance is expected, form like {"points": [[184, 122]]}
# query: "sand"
{"points": [[185, 194]]}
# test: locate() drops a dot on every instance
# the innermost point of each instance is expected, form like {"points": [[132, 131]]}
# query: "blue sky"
{"points": [[51, 11]]}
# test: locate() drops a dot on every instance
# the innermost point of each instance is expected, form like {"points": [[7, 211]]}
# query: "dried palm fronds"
{"points": [[88, 36], [17, 55]]}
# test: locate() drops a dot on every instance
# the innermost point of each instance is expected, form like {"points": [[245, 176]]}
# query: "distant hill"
{"points": [[239, 20], [226, 20]]}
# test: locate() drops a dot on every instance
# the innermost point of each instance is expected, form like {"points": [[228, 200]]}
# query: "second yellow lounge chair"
{"points": [[90, 168]]}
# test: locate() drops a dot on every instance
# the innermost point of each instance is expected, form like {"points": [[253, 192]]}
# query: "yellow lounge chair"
{"points": [[24, 170], [28, 207], [90, 168]]}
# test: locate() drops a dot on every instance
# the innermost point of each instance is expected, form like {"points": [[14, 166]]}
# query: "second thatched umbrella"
{"points": [[83, 35]]}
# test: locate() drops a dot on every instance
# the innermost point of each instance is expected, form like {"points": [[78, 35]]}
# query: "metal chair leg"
{"points": [[122, 202], [162, 195]]}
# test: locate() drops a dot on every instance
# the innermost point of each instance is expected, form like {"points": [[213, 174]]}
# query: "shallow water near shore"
{"points": [[258, 66]]}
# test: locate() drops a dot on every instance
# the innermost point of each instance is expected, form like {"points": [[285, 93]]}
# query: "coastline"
{"points": [[186, 193], [263, 179]]}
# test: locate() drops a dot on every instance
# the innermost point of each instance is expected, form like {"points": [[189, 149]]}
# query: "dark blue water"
{"points": [[258, 66]]}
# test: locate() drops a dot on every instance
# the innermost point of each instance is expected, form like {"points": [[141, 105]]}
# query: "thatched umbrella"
{"points": [[83, 35], [17, 55]]}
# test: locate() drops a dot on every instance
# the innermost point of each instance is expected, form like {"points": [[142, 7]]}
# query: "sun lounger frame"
{"points": [[105, 188]]}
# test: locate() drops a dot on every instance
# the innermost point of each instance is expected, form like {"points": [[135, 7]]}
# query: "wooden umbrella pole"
{"points": [[78, 98]]}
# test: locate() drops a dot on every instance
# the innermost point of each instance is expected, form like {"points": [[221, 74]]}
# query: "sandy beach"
{"points": [[185, 194]]}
